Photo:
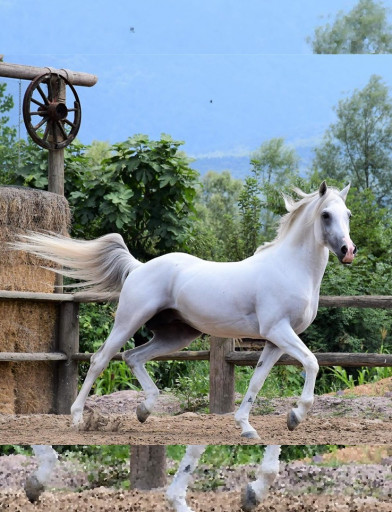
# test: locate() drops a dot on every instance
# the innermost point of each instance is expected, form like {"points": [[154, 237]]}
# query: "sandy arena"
{"points": [[111, 420], [300, 486]]}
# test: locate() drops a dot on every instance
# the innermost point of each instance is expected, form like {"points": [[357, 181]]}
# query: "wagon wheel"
{"points": [[46, 114]]}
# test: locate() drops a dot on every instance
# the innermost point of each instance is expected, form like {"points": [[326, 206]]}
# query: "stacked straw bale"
{"points": [[27, 326]]}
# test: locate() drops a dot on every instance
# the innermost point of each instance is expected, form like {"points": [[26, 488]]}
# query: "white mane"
{"points": [[295, 209]]}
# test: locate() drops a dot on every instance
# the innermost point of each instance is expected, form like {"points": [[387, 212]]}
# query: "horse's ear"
{"points": [[323, 188], [344, 192]]}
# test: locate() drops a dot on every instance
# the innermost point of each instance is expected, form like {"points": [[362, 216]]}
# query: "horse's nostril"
{"points": [[355, 249], [344, 249]]}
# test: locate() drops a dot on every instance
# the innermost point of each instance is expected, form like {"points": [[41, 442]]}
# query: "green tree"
{"points": [[218, 218], [365, 29], [358, 146], [8, 149], [273, 166], [144, 190]]}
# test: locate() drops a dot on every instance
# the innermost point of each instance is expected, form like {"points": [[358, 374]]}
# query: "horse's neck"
{"points": [[301, 250]]}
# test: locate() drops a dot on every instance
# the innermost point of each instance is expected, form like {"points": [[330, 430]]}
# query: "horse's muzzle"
{"points": [[348, 252]]}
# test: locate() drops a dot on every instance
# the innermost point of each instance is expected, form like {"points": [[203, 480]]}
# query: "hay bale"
{"points": [[27, 326]]}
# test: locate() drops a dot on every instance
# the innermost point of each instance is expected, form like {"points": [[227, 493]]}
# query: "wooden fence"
{"points": [[222, 355]]}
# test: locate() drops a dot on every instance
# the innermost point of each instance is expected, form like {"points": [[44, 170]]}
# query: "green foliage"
{"points": [[142, 189], [342, 376], [217, 221], [273, 166], [8, 147], [106, 466], [95, 324], [146, 191], [365, 29], [192, 386], [218, 456], [250, 208], [12, 449], [357, 147], [116, 377]]}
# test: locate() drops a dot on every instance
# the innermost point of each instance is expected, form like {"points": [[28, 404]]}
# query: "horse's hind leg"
{"points": [[35, 483], [255, 492], [166, 339], [123, 329], [176, 492]]}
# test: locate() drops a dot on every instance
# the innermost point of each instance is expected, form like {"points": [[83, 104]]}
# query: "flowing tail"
{"points": [[101, 266]]}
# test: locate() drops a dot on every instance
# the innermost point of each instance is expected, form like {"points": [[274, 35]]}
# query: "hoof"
{"points": [[248, 499], [292, 420], [251, 434], [142, 412], [77, 423], [33, 488], [76, 417]]}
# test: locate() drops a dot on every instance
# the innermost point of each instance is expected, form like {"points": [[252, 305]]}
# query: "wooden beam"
{"points": [[232, 357], [356, 301], [32, 356], [23, 72], [325, 359], [36, 296]]}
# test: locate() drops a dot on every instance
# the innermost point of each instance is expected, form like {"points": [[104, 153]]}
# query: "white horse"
{"points": [[253, 494], [272, 295]]}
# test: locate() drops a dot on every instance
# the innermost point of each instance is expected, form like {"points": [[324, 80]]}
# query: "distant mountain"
{"points": [[239, 165]]}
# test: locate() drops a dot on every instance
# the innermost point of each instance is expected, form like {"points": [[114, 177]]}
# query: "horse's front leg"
{"points": [[287, 340], [176, 492], [268, 358], [256, 491]]}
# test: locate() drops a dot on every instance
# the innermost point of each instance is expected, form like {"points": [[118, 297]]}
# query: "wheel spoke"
{"points": [[69, 123], [37, 113], [33, 100], [46, 133], [42, 95], [62, 131], [42, 122]]}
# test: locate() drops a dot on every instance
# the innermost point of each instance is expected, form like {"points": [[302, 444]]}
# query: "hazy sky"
{"points": [[161, 62]]}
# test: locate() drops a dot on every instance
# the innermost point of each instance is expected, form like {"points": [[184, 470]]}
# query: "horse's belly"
{"points": [[225, 328], [219, 314]]}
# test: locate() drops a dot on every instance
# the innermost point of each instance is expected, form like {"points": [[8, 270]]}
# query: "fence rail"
{"points": [[233, 357], [222, 354], [330, 301]]}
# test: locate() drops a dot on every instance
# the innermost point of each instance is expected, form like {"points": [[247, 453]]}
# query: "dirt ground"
{"points": [[103, 500], [300, 486], [334, 419]]}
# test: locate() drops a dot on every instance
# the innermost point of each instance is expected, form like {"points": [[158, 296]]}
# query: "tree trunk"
{"points": [[148, 467]]}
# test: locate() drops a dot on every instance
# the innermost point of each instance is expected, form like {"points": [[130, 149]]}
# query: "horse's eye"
{"points": [[325, 215]]}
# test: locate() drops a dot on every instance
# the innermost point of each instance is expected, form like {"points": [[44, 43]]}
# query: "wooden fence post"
{"points": [[148, 467], [221, 376], [67, 342]]}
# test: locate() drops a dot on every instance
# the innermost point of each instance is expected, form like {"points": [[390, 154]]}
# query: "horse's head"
{"points": [[333, 223]]}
